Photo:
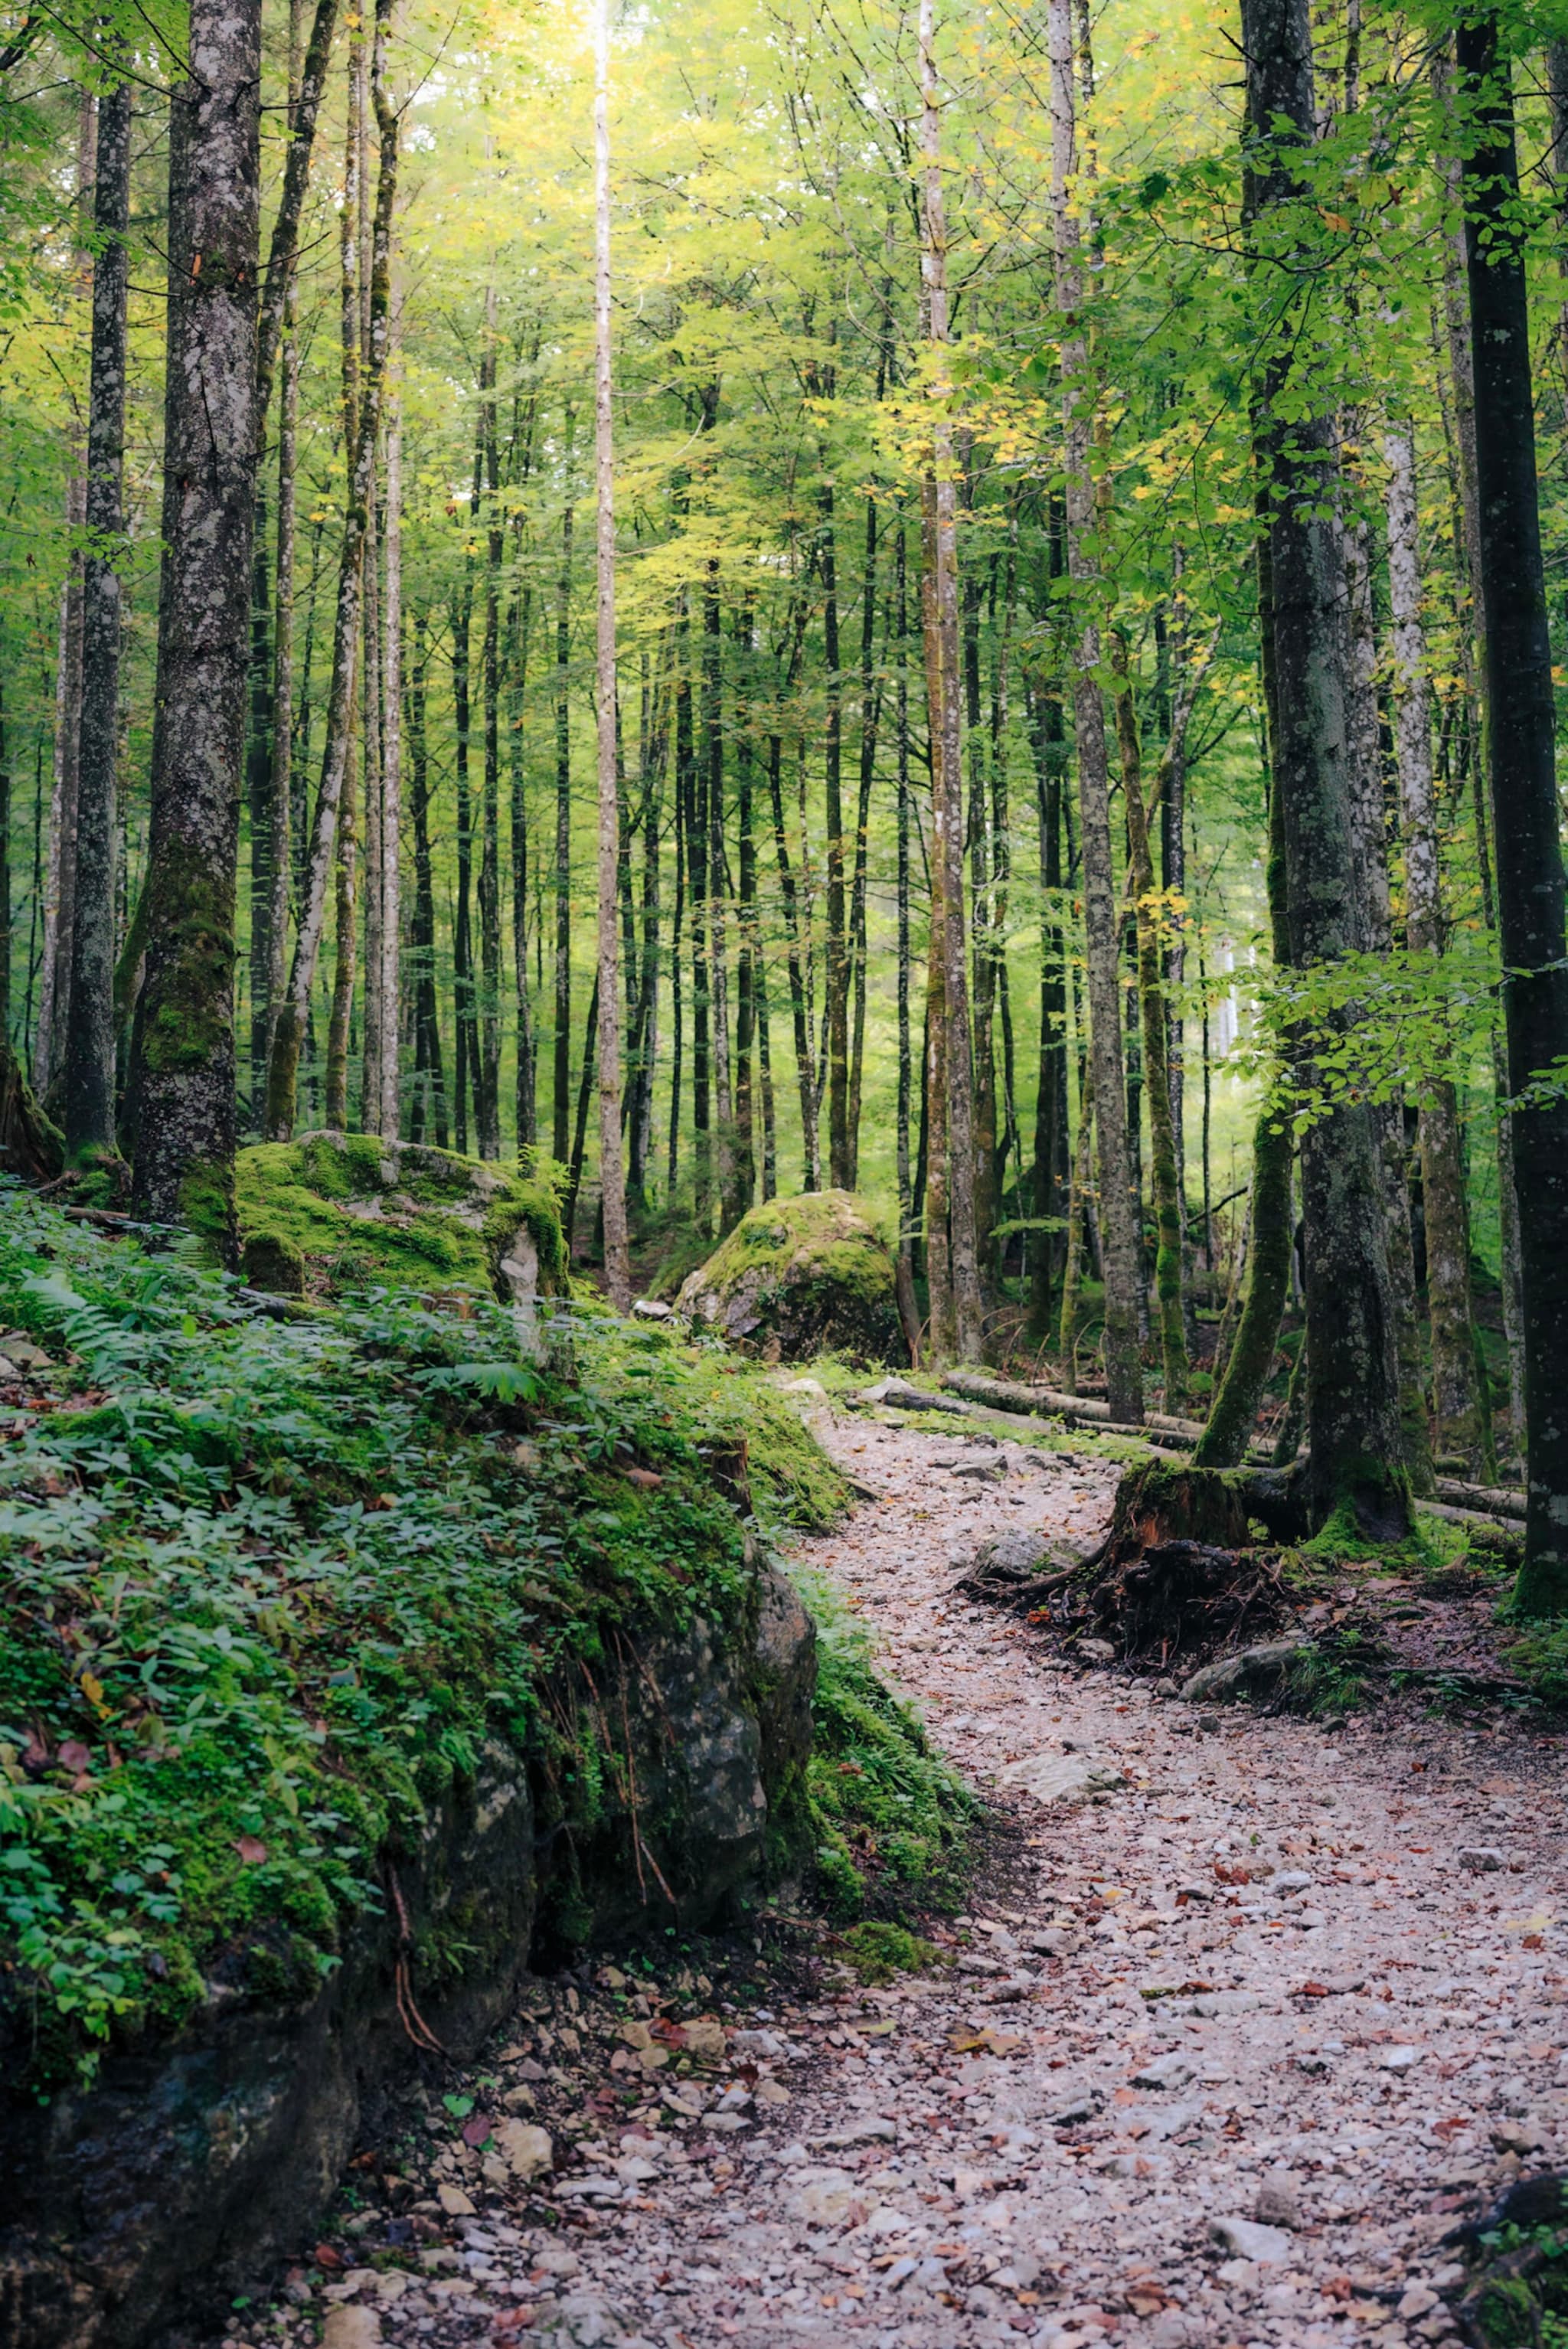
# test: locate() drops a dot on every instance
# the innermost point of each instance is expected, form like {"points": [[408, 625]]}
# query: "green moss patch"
{"points": [[796, 1277], [352, 1211]]}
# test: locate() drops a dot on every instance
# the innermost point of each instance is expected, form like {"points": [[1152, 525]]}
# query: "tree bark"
{"points": [[1525, 815], [89, 1089], [1124, 1373], [560, 1089], [956, 1067], [487, 1089], [611, 1172], [388, 1056], [183, 1049], [1356, 1452], [282, 1072], [1460, 1421]]}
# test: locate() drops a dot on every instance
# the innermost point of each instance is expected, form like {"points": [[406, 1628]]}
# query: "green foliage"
{"points": [[879, 1952], [270, 1586], [890, 1819]]}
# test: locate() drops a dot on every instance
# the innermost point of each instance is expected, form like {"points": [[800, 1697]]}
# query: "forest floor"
{"points": [[1244, 2014]]}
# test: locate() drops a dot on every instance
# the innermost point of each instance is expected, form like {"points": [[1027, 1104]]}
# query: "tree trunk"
{"points": [[527, 1118], [561, 1092], [1124, 1374], [1166, 1184], [1458, 1418], [1525, 815], [612, 1178], [182, 1051], [390, 990], [426, 1015], [957, 1068], [806, 1083], [904, 1271], [837, 1005], [88, 1092], [487, 1087], [871, 717], [283, 1073], [1357, 1456]]}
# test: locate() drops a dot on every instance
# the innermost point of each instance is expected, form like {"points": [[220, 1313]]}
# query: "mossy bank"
{"points": [[348, 1658]]}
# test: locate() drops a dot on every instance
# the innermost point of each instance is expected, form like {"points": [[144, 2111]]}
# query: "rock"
{"points": [[990, 1468], [1171, 2071], [812, 1390], [1278, 2204], [455, 2202], [810, 1275], [864, 2132], [1250, 1670], [1400, 2059], [525, 2148], [22, 1354], [652, 1308], [1480, 1859], [706, 2039], [1097, 1651], [1263, 2246], [773, 2092], [1062, 1777], [269, 1261], [1521, 2136], [351, 2328], [820, 2197], [584, 2320], [1420, 2300]]}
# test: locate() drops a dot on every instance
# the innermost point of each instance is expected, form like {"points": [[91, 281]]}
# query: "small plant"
{"points": [[878, 1952]]}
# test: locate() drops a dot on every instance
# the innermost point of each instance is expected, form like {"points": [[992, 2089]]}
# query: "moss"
{"points": [[207, 1205], [878, 1952], [799, 1277], [356, 1213], [272, 1262]]}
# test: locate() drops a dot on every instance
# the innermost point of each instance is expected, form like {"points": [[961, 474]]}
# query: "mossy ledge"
{"points": [[349, 1663], [798, 1278]]}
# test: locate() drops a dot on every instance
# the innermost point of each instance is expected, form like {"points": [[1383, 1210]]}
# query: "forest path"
{"points": [[1141, 2128]]}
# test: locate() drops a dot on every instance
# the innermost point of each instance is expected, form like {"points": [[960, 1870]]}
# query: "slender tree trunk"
{"points": [[611, 1176], [527, 1123], [353, 290], [837, 1004], [561, 1092], [281, 809], [717, 890], [904, 1269], [1458, 1417], [88, 1094], [957, 1068], [1152, 1007], [182, 1051], [427, 1011], [487, 1089], [1357, 1456], [1525, 815], [391, 992], [871, 720], [580, 1129], [1124, 1375], [812, 1177], [743, 1158], [282, 1074]]}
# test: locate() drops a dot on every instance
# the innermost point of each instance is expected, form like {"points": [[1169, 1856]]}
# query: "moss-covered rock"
{"points": [[335, 1212], [802, 1277]]}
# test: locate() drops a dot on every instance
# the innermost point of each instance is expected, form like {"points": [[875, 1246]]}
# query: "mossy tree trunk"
{"points": [[182, 1051], [1525, 812], [1356, 1456]]}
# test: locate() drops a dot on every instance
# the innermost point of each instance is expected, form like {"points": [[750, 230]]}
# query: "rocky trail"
{"points": [[1248, 2014]]}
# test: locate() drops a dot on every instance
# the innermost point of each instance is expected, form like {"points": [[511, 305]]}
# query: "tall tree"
{"points": [[89, 1089], [1124, 1373], [1525, 815], [1356, 1452], [182, 1053], [611, 1174]]}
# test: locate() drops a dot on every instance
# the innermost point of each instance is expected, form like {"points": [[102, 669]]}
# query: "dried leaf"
{"points": [[251, 1850]]}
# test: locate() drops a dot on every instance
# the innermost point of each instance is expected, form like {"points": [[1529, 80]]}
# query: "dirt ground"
{"points": [[1249, 2011]]}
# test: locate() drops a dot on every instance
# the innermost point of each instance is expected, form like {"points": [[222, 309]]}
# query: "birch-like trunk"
{"points": [[611, 1172], [88, 1091], [182, 1049], [1119, 1225]]}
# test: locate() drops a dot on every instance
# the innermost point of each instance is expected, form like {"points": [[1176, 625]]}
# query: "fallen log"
{"points": [[1086, 1411], [1485, 1500]]}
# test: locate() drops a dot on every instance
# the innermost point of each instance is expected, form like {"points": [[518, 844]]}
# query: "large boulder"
{"points": [[802, 1277], [338, 1211]]}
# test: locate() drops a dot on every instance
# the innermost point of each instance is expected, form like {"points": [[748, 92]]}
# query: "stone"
{"points": [[1097, 1651], [22, 1354], [990, 1468], [1521, 2136], [652, 1308], [807, 1276], [1420, 2300], [1171, 2071], [1263, 2246], [455, 2202], [1062, 1777], [773, 2092], [1278, 2204], [351, 2328], [706, 2039], [582, 2319], [1400, 2059], [821, 2197], [525, 2148], [1249, 1671], [1480, 1859]]}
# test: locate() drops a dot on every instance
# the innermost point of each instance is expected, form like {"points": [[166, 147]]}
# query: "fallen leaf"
{"points": [[251, 1850], [325, 2257], [74, 1755], [475, 2130]]}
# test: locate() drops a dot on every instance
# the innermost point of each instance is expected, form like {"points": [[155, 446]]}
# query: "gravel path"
{"points": [[1255, 2011]]}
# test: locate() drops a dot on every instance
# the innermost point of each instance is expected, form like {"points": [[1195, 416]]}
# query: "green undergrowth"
{"points": [[890, 1821], [269, 1586], [878, 1952]]}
